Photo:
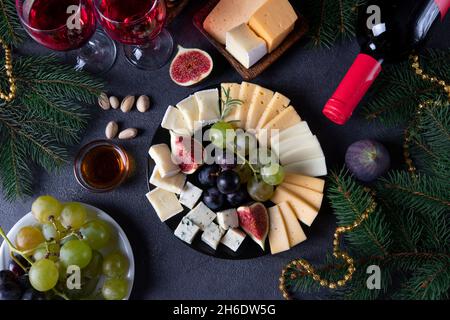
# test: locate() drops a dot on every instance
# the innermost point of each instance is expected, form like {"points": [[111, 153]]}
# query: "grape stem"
{"points": [[60, 294]]}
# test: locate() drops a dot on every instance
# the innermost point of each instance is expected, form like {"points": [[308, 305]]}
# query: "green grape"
{"points": [[45, 207], [94, 268], [29, 238], [43, 275], [68, 238], [221, 133], [73, 215], [245, 172], [90, 276], [50, 251], [273, 174], [245, 143], [39, 254], [259, 190], [96, 233], [115, 265], [62, 272], [115, 289], [75, 252]]}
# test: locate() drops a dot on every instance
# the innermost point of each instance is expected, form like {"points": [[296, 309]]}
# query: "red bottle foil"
{"points": [[443, 5], [352, 89]]}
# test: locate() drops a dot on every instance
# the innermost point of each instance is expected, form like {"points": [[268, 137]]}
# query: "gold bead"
{"points": [[419, 72], [442, 83], [341, 283], [323, 283], [316, 277], [347, 277], [332, 285], [286, 296], [335, 242], [415, 65], [433, 79]]}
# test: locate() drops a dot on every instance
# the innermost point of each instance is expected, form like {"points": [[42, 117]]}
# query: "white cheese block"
{"points": [[278, 237], [245, 46], [233, 239], [208, 105], [314, 167], [186, 230], [174, 121], [190, 195], [165, 203], [189, 108], [228, 219], [233, 89], [212, 235], [245, 95], [201, 215], [173, 184], [261, 98], [293, 228], [160, 153]]}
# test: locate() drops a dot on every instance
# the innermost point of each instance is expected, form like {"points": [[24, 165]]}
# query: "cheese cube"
{"points": [[173, 184], [160, 153], [233, 89], [314, 198], [260, 100], [245, 95], [190, 195], [245, 46], [273, 21], [233, 239], [228, 14], [303, 210], [212, 235], [305, 181], [275, 107], [189, 108], [165, 203], [174, 121], [228, 219], [278, 237], [208, 105], [201, 215], [186, 230], [293, 228], [314, 167]]}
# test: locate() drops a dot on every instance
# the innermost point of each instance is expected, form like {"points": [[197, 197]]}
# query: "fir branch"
{"points": [[10, 29]]}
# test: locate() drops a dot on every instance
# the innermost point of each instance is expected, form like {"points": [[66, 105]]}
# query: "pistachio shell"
{"points": [[143, 103], [114, 102], [127, 104], [103, 101], [112, 128], [127, 134]]}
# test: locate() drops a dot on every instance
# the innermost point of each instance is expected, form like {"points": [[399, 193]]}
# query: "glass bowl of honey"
{"points": [[101, 166]]}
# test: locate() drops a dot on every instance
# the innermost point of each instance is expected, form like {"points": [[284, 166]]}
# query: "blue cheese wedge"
{"points": [[212, 235], [165, 203], [201, 215], [228, 219], [186, 230], [233, 239], [190, 195]]}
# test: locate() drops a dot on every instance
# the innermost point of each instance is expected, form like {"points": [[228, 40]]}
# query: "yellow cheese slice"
{"points": [[278, 237], [286, 119], [273, 21], [275, 107], [293, 228], [303, 210], [228, 14], [260, 100], [165, 203], [314, 198], [234, 90], [245, 95], [305, 181]]}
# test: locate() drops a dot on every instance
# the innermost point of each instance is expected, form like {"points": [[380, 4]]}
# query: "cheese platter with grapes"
{"points": [[233, 171]]}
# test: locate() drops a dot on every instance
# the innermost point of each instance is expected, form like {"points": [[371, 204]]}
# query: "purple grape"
{"points": [[228, 182], [207, 175], [7, 276], [213, 199], [14, 267], [238, 198], [10, 290], [224, 163]]}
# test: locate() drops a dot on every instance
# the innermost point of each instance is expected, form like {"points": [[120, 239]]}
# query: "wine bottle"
{"points": [[389, 31]]}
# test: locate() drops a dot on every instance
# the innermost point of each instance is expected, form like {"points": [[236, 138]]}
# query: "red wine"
{"points": [[50, 24], [132, 22], [389, 31]]}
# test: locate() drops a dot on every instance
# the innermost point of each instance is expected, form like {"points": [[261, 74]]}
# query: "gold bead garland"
{"points": [[337, 253], [421, 73], [9, 74]]}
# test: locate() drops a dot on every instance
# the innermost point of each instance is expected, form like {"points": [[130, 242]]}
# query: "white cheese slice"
{"points": [[189, 109], [212, 235], [245, 95], [201, 215], [233, 239], [173, 184], [245, 46], [295, 143], [233, 89], [208, 105], [165, 203], [278, 237], [186, 230], [314, 167], [160, 153], [261, 98], [174, 121], [190, 195], [228, 219], [305, 153], [300, 129]]}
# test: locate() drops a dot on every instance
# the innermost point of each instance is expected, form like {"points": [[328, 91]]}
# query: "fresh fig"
{"points": [[190, 66], [187, 152], [254, 220], [367, 160]]}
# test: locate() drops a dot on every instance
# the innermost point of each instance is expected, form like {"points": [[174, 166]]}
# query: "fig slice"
{"points": [[190, 66], [254, 220], [187, 152]]}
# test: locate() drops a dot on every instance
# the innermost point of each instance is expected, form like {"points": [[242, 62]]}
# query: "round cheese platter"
{"points": [[233, 172]]}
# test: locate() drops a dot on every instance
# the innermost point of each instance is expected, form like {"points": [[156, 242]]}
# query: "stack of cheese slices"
{"points": [[250, 29], [275, 123]]}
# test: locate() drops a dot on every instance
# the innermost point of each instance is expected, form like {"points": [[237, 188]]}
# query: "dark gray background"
{"points": [[165, 267]]}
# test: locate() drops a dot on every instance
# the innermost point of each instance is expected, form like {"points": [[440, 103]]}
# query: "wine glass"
{"points": [[66, 25], [139, 25]]}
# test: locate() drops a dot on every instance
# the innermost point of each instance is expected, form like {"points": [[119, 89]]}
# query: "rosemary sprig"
{"points": [[228, 104]]}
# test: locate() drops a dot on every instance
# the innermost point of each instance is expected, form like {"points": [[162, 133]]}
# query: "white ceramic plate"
{"points": [[122, 241]]}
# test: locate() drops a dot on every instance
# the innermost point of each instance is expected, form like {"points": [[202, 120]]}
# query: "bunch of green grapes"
{"points": [[66, 237]]}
